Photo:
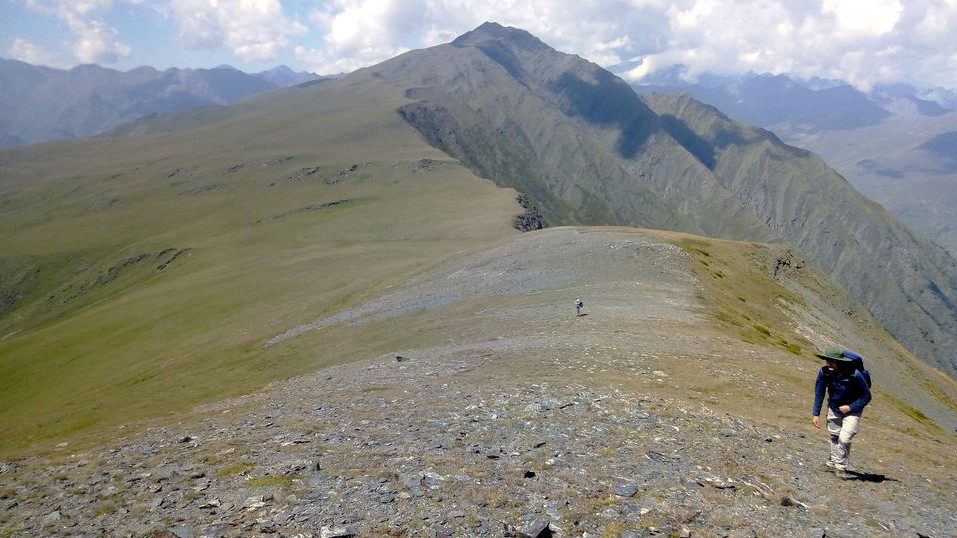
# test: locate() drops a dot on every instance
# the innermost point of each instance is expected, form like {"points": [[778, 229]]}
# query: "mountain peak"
{"points": [[492, 31]]}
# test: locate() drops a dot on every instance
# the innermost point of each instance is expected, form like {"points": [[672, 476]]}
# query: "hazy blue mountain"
{"points": [[768, 100], [283, 77], [39, 103]]}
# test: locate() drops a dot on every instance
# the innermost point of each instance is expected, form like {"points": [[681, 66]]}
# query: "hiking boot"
{"points": [[828, 467]]}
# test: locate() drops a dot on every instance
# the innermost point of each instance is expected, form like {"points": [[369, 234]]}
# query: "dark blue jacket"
{"points": [[846, 386]]}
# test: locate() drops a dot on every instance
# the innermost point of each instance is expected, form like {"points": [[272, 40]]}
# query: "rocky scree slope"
{"points": [[586, 149], [637, 419]]}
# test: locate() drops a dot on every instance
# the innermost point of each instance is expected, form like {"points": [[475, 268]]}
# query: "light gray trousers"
{"points": [[841, 427]]}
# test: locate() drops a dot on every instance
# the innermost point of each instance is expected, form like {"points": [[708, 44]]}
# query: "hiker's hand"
{"points": [[816, 420], [844, 409]]}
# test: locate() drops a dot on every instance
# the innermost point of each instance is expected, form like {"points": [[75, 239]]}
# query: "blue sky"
{"points": [[861, 41]]}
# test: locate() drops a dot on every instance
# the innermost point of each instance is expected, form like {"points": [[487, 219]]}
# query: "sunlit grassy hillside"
{"points": [[142, 275]]}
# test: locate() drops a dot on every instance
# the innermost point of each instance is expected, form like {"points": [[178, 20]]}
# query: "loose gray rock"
{"points": [[52, 518], [536, 529], [345, 531], [625, 488], [181, 531]]}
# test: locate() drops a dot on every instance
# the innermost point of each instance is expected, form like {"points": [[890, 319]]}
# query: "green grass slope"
{"points": [[142, 275]]}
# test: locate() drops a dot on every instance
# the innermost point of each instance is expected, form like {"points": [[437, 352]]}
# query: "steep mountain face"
{"points": [[566, 132], [39, 104], [907, 282], [588, 150], [891, 143]]}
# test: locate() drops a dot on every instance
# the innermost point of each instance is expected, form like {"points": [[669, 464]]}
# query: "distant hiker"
{"points": [[578, 307], [848, 392]]}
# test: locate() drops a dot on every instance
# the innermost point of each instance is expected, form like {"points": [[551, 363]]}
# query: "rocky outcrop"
{"points": [[531, 219]]}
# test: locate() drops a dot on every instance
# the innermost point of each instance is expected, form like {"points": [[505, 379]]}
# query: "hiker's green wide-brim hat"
{"points": [[834, 354]]}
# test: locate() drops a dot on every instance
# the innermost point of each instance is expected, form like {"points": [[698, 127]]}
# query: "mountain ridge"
{"points": [[488, 407], [751, 193]]}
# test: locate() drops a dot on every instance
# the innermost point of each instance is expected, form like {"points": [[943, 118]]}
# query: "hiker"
{"points": [[578, 307], [848, 392]]}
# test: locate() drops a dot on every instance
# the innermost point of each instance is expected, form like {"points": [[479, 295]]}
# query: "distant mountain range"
{"points": [[39, 104], [894, 144]]}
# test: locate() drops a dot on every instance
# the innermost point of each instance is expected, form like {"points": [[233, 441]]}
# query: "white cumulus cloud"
{"points": [[867, 18], [862, 41], [254, 30], [31, 53], [94, 41]]}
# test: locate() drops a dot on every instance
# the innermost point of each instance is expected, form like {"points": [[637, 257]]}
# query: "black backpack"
{"points": [[858, 363]]}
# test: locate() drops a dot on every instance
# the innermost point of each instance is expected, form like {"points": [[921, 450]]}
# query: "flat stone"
{"points": [[181, 531], [442, 531], [333, 531], [536, 529], [624, 488], [211, 503], [51, 519]]}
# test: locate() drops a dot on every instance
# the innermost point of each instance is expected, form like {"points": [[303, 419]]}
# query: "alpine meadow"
{"points": [[347, 308]]}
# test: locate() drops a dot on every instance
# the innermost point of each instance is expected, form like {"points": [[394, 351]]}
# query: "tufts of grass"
{"points": [[271, 481], [911, 411], [615, 529], [790, 347], [600, 503], [104, 508], [740, 292], [236, 468]]}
